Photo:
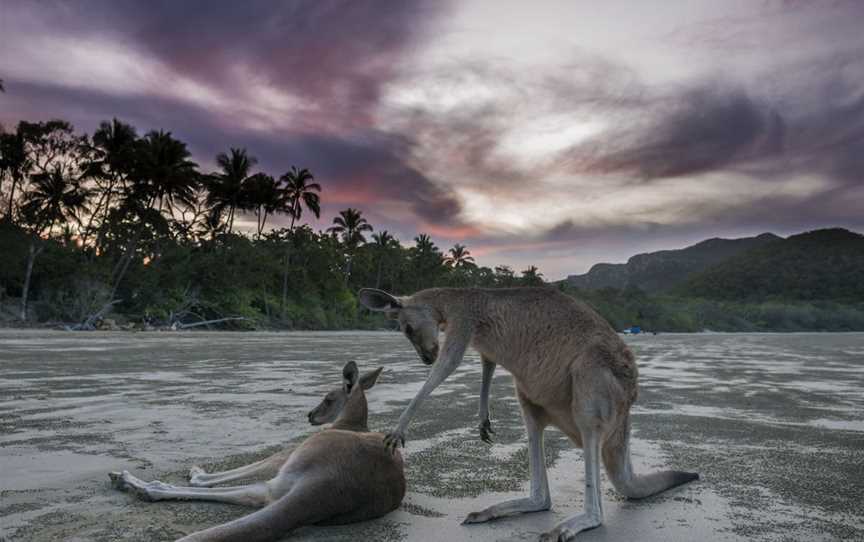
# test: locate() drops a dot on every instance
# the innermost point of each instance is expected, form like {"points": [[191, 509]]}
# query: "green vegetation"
{"points": [[127, 226], [665, 269], [657, 312], [120, 224], [811, 281], [822, 265]]}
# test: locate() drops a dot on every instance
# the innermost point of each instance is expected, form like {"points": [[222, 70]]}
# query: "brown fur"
{"points": [[559, 350], [342, 474], [571, 370]]}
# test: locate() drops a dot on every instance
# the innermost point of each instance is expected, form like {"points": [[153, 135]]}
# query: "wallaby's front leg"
{"points": [[486, 431], [266, 468], [539, 499], [450, 357], [252, 495]]}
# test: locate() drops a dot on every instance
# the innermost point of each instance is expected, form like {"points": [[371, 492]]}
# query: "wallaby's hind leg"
{"points": [[592, 515], [539, 499], [253, 495], [266, 467]]}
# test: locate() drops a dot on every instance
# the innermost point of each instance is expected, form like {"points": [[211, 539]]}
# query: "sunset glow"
{"points": [[557, 137]]}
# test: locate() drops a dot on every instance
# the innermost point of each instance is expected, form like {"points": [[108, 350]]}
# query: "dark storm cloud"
{"points": [[812, 123], [790, 107], [816, 127], [367, 167], [698, 131], [334, 54]]}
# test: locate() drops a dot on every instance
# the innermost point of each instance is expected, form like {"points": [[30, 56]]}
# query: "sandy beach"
{"points": [[774, 424]]}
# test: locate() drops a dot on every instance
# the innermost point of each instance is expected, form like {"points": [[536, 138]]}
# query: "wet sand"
{"points": [[773, 423]]}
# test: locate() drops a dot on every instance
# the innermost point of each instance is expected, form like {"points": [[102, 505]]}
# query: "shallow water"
{"points": [[772, 422]]}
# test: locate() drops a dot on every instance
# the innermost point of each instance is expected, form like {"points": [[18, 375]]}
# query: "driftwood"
{"points": [[178, 325], [89, 324], [174, 322]]}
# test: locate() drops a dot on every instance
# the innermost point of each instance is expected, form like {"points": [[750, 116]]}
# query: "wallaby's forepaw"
{"points": [[486, 431], [394, 440]]}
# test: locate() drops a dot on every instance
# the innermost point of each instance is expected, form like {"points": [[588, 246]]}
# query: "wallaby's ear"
{"points": [[350, 374], [369, 379], [379, 300]]}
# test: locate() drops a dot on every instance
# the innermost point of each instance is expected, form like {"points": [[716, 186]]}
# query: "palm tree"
{"points": [[226, 187], [298, 192], [504, 276], [162, 174], [459, 257], [14, 161], [163, 171], [532, 276], [53, 198], [384, 242], [262, 196], [426, 260], [114, 145], [350, 225], [423, 243]]}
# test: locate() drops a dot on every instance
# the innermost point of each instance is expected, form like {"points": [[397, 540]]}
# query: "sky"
{"points": [[556, 133]]}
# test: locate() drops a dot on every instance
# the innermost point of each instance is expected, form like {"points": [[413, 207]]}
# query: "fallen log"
{"points": [[178, 325], [89, 323]]}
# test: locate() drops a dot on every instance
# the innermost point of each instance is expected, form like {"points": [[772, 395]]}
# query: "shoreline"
{"points": [[62, 327]]}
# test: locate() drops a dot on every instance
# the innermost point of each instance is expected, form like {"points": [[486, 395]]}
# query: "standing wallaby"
{"points": [[340, 475], [571, 371]]}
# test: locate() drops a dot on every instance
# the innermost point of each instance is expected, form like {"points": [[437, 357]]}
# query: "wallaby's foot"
{"points": [[486, 431], [147, 491], [507, 509], [569, 528], [195, 475]]}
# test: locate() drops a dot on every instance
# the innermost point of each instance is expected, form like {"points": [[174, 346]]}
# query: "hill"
{"points": [[820, 265], [666, 269]]}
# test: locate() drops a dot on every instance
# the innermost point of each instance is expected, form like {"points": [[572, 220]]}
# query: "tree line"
{"points": [[127, 223]]}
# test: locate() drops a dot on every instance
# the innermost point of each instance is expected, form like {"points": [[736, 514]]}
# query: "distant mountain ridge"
{"points": [[819, 265], [667, 269]]}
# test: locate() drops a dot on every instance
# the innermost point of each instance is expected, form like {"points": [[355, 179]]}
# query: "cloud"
{"points": [[310, 66], [756, 121], [699, 130], [297, 83], [370, 169]]}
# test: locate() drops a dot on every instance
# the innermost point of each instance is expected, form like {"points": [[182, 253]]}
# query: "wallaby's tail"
{"points": [[267, 524], [616, 458]]}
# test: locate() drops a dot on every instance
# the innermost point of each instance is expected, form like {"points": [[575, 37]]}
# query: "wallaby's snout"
{"points": [[418, 322], [429, 356]]}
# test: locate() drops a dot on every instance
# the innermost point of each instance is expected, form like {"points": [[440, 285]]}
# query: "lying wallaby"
{"points": [[340, 475], [571, 370]]}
